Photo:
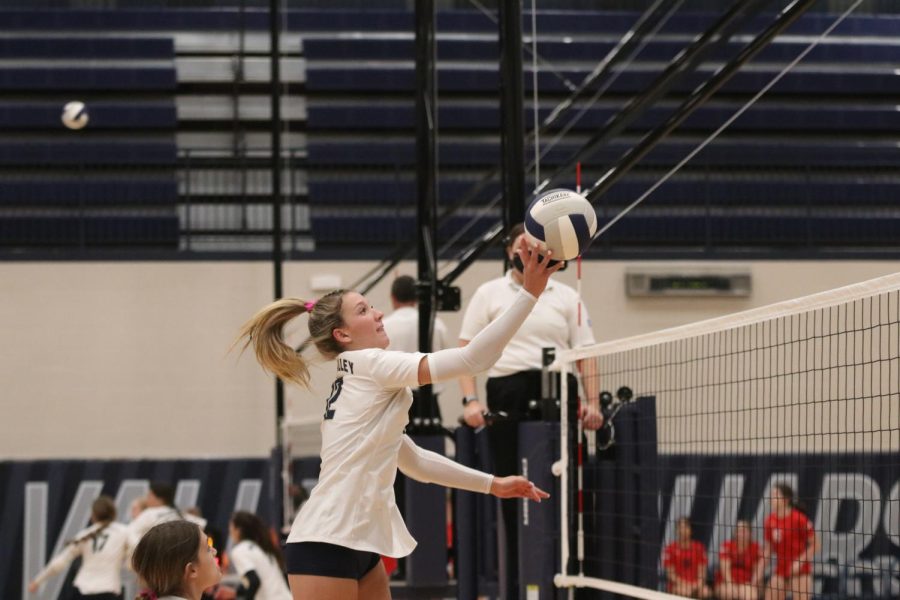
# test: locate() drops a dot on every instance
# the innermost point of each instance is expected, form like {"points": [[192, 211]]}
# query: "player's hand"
{"points": [[591, 416], [536, 274], [33, 588], [516, 486], [795, 567], [473, 414]]}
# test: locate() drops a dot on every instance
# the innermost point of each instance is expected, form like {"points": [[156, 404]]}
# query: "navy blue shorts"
{"points": [[328, 560]]}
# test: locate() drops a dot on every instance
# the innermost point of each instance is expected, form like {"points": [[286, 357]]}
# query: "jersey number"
{"points": [[99, 541], [335, 392]]}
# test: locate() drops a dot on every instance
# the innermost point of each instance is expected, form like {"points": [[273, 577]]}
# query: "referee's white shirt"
{"points": [[246, 556], [402, 328], [353, 503], [102, 559], [552, 323]]}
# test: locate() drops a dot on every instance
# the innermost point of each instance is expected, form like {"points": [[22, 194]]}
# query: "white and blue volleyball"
{"points": [[75, 115], [561, 220]]}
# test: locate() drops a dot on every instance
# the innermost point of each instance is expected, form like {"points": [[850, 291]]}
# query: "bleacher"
{"points": [[111, 184], [809, 166], [179, 122]]}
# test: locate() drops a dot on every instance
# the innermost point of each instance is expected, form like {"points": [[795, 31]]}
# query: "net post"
{"points": [[561, 470]]}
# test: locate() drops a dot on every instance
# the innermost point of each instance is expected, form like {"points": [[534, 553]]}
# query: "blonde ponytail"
{"points": [[265, 331]]}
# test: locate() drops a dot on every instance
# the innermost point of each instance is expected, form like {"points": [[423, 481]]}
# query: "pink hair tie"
{"points": [[310, 305], [148, 594]]}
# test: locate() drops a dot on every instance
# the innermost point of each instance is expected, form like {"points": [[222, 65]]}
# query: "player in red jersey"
{"points": [[790, 537], [740, 566], [685, 563]]}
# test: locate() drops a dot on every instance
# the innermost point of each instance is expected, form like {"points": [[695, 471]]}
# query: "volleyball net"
{"points": [[705, 422]]}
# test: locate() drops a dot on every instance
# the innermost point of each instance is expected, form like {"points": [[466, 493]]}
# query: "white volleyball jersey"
{"points": [[153, 516], [102, 559], [553, 323], [246, 556], [353, 503]]}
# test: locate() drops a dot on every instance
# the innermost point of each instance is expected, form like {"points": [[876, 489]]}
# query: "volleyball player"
{"points": [[102, 548], [685, 563], [740, 566], [790, 538], [351, 516], [256, 559], [160, 507], [175, 560]]}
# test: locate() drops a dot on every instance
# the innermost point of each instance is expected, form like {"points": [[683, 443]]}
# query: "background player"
{"points": [[102, 549], [791, 539], [741, 566], [175, 560], [685, 563]]}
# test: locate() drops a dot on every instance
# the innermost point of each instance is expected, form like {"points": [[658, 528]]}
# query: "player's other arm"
{"points": [[59, 563], [430, 467]]}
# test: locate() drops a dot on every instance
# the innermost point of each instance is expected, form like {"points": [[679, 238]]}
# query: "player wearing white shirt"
{"points": [[256, 559], [160, 503], [351, 516], [516, 377], [101, 548]]}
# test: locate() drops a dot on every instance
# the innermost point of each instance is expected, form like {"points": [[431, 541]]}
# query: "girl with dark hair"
{"points": [[790, 538], [740, 566], [685, 563], [102, 550], [175, 561], [256, 559], [351, 516]]}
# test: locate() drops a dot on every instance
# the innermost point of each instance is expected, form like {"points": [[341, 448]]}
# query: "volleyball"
{"points": [[561, 220], [75, 115]]}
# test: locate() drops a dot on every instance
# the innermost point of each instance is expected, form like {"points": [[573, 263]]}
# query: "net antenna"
{"points": [[603, 181]]}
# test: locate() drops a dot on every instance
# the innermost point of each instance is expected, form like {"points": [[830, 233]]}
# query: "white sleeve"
{"points": [[59, 563], [241, 560], [392, 369], [485, 348], [430, 467]]}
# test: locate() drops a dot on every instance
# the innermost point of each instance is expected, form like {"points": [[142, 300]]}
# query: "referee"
{"points": [[516, 377]]}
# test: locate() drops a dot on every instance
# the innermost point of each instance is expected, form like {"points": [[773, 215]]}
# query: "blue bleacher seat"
{"points": [[103, 115]]}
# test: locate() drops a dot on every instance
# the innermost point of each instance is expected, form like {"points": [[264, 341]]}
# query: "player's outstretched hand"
{"points": [[516, 486], [535, 273]]}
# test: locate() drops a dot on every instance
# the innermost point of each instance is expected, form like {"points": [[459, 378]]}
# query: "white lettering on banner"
{"points": [[847, 487], [892, 515], [35, 535], [681, 505]]}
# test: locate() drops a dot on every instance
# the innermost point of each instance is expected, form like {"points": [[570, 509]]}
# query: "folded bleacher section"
{"points": [[176, 155], [811, 167], [108, 185]]}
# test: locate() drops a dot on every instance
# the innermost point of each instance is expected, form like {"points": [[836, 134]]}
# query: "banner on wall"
{"points": [[853, 501], [45, 503]]}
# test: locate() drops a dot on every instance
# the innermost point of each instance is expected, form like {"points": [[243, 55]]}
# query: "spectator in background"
{"points": [[791, 540], [740, 566], [685, 563], [402, 328]]}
